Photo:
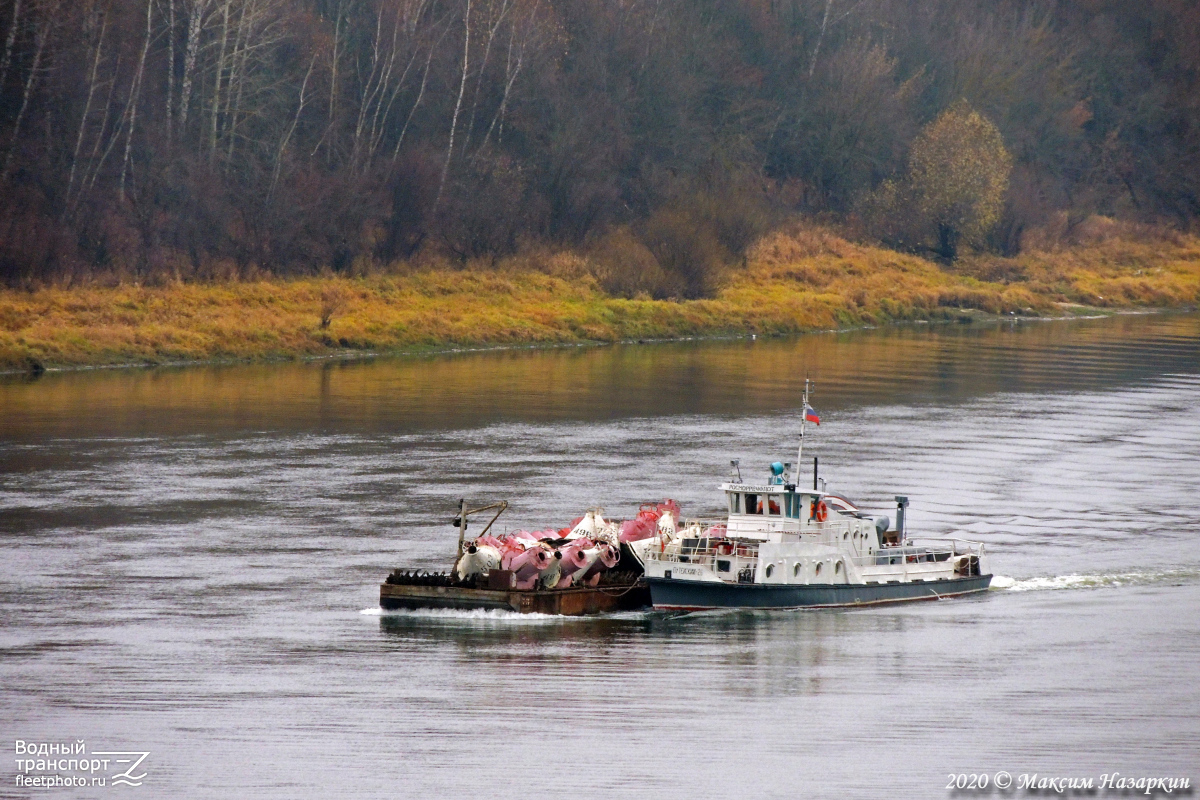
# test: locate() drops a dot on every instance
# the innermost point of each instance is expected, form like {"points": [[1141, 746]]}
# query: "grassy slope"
{"points": [[794, 280]]}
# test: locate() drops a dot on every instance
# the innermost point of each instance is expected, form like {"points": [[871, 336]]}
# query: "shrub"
{"points": [[687, 248], [625, 267]]}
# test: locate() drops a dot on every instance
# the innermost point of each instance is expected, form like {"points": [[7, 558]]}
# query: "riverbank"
{"points": [[793, 280]]}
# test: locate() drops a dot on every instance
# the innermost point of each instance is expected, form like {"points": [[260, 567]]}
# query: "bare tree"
{"points": [[170, 108], [42, 30], [249, 31], [377, 86], [96, 159], [339, 19], [135, 93], [828, 19], [9, 41], [521, 33], [98, 49], [496, 11], [191, 50], [283, 143], [226, 8], [236, 78], [462, 85], [433, 48]]}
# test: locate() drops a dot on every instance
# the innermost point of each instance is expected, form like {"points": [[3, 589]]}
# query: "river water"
{"points": [[191, 560]]}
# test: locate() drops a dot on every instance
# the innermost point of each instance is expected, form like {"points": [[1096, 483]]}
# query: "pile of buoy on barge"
{"points": [[585, 567]]}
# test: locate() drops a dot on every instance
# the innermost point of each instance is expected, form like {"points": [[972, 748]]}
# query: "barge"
{"points": [[569, 572], [621, 592]]}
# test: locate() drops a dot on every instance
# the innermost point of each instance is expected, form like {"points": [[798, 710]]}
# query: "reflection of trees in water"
{"points": [[894, 365]]}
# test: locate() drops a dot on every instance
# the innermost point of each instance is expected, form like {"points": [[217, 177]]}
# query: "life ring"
{"points": [[820, 511]]}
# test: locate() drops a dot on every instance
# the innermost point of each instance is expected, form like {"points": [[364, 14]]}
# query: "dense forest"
{"points": [[211, 139]]}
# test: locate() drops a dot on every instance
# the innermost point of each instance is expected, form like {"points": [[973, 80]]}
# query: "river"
{"points": [[191, 559]]}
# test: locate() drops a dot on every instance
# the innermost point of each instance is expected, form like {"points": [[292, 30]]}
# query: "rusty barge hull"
{"points": [[565, 602]]}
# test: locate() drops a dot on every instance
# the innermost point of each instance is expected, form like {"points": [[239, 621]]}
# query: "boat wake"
{"points": [[472, 616], [495, 616], [1099, 581]]}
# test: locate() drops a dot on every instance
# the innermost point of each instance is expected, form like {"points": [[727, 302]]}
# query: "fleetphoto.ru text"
{"points": [[45, 765]]}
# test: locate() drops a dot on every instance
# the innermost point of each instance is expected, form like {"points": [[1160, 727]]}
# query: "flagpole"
{"points": [[803, 419]]}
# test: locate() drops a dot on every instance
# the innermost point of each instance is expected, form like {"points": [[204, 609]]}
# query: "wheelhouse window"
{"points": [[753, 504], [773, 505], [791, 505], [735, 503]]}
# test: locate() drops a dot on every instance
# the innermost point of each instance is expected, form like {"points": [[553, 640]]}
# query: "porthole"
{"points": [[837, 568], [845, 536], [796, 570], [770, 569], [817, 571]]}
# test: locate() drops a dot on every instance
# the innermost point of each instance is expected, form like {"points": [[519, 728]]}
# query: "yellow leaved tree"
{"points": [[953, 193]]}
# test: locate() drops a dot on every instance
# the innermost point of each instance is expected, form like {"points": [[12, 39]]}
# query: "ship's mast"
{"points": [[803, 419]]}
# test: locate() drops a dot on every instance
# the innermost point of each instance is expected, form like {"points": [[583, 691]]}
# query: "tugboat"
{"points": [[783, 546]]}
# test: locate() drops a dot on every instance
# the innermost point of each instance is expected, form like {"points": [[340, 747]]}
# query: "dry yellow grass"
{"points": [[798, 279]]}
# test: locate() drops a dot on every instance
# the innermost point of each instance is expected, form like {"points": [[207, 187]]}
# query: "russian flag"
{"points": [[811, 416]]}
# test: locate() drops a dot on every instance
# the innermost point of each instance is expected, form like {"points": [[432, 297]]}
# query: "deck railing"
{"points": [[913, 551]]}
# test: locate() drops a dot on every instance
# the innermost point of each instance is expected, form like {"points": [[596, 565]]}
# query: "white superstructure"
{"points": [[777, 533]]}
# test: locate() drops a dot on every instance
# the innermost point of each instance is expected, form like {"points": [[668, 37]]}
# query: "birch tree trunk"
{"points": [[40, 38], [462, 85], [505, 7], [135, 95], [87, 107], [216, 100], [9, 41], [287, 137], [237, 67], [377, 83], [512, 68], [334, 62], [95, 160], [195, 18], [812, 63], [170, 69], [420, 94]]}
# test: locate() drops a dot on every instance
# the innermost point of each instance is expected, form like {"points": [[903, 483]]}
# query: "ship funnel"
{"points": [[901, 506]]}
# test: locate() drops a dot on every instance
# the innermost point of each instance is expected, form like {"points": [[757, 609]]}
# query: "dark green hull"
{"points": [[671, 593]]}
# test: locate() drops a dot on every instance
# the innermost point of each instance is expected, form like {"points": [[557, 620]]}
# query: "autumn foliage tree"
{"points": [[958, 172], [953, 193]]}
